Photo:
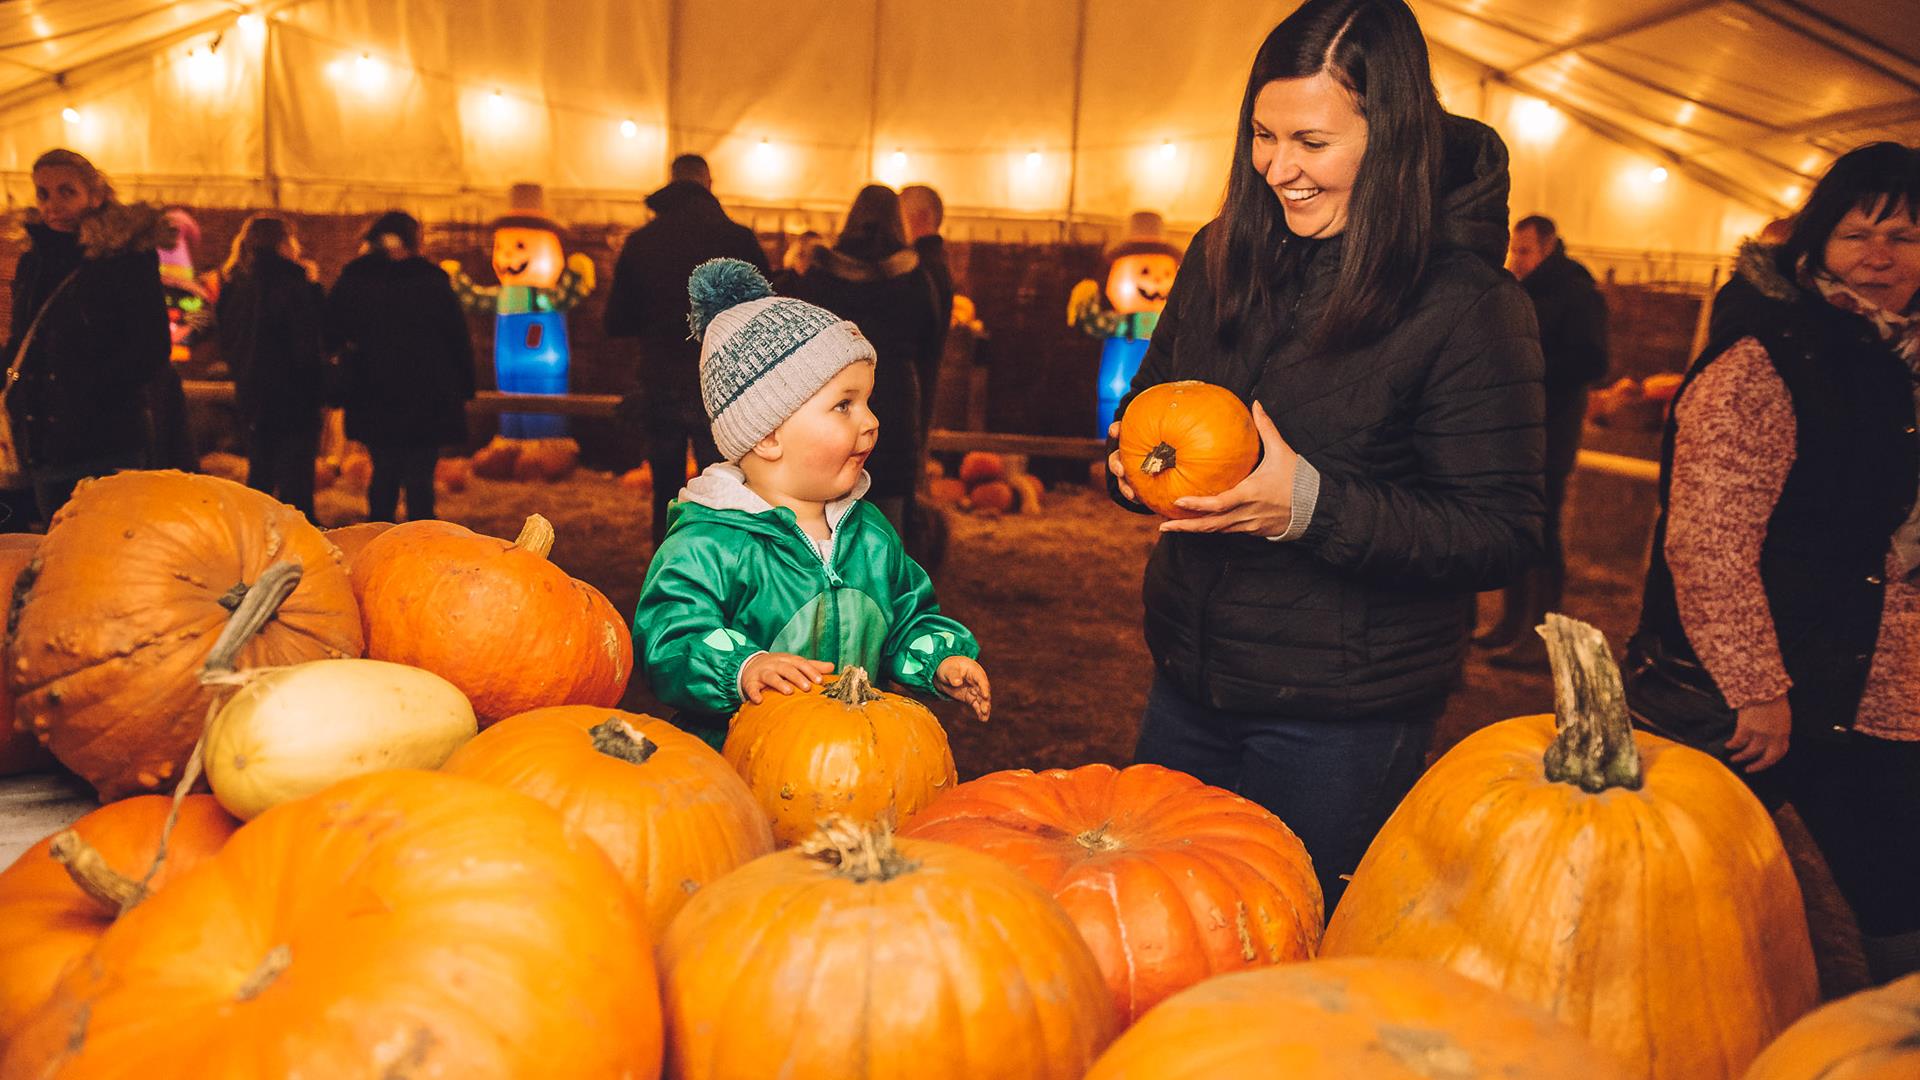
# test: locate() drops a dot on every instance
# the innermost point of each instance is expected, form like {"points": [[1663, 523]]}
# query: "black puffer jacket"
{"points": [[81, 393], [1428, 445], [406, 355], [270, 321]]}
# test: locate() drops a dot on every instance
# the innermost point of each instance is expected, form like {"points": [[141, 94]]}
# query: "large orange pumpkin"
{"points": [[1872, 1035], [844, 749], [856, 957], [19, 750], [1631, 885], [1377, 1019], [48, 922], [495, 619], [117, 615], [669, 811], [1168, 879], [1185, 438], [353, 539], [397, 924]]}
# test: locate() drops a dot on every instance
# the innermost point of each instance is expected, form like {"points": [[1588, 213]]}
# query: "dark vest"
{"points": [[1857, 462]]}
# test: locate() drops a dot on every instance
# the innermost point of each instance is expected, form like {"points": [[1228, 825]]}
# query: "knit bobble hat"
{"points": [[761, 356]]}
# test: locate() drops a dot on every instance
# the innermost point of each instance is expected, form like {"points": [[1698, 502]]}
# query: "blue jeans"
{"points": [[1333, 781]]}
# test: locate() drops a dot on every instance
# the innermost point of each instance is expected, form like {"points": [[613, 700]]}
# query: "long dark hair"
{"points": [[874, 228], [1373, 48], [1882, 174], [261, 235]]}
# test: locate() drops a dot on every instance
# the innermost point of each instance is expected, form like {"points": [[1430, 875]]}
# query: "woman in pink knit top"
{"points": [[1781, 624]]}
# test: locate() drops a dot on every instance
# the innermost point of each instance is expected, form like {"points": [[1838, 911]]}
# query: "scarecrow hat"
{"points": [[527, 209], [1146, 235]]}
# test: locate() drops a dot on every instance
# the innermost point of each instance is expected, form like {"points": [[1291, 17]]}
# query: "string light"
{"points": [[1168, 151], [1034, 160], [205, 68], [1657, 175], [70, 114], [629, 129], [252, 25], [1537, 121]]}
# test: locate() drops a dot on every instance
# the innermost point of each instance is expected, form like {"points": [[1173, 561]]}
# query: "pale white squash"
{"points": [[302, 728]]}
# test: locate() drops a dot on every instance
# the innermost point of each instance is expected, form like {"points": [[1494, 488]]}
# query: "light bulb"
{"points": [[899, 159], [629, 129], [1033, 161], [1167, 150], [1657, 175], [70, 114], [1537, 120]]}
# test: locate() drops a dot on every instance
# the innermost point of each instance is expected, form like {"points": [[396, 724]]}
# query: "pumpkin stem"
{"points": [[1158, 460], [276, 961], [853, 689], [863, 852], [110, 888], [536, 536], [1594, 749], [1098, 840], [615, 737], [256, 607]]}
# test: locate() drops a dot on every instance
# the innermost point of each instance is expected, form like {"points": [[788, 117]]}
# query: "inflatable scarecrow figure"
{"points": [[1140, 270], [190, 296], [538, 283]]}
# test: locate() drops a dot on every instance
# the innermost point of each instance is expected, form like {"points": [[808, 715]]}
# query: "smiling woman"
{"points": [[1351, 290]]}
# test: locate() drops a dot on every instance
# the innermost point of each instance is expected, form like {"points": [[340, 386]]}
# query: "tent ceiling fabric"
{"points": [[1038, 109]]}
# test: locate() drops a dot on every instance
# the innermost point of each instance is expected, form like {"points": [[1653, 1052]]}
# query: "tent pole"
{"points": [[1073, 136], [873, 95], [670, 145], [268, 174]]}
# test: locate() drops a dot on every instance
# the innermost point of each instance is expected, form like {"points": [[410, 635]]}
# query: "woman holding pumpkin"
{"points": [[1307, 624], [1781, 626]]}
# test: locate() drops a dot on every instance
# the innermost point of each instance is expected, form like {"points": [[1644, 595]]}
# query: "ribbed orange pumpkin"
{"points": [[495, 619], [352, 539], [1872, 1035], [1186, 438], [132, 585], [397, 924], [1372, 1019], [19, 750], [845, 749], [48, 923], [856, 957], [1168, 879], [1633, 886], [671, 814]]}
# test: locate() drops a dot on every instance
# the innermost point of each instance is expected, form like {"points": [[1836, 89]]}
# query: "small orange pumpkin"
{"points": [[495, 460], [119, 610], [981, 467], [671, 814], [1168, 879], [1872, 1035], [49, 920], [992, 497], [1185, 438], [494, 618], [844, 749]]}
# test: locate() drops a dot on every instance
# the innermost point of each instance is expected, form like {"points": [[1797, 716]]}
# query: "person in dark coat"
{"points": [[873, 279], [91, 277], [270, 317], [407, 363], [1308, 626], [649, 303], [1573, 340], [923, 213]]}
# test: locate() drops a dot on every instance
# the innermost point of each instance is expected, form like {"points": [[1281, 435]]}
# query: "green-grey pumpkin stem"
{"points": [[853, 688], [616, 738], [1594, 749], [253, 606], [1158, 460]]}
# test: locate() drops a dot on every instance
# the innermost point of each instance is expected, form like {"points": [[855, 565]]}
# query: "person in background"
{"points": [[406, 355], [87, 292], [799, 257], [923, 213], [873, 278], [648, 303], [1306, 626], [1780, 626], [1573, 340], [270, 322]]}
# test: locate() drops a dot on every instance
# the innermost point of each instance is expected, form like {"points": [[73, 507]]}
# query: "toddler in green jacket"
{"points": [[774, 573]]}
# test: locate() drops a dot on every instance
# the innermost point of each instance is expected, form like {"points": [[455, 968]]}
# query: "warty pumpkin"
{"points": [[115, 617], [1377, 1019], [1631, 885], [845, 748], [669, 811], [351, 539], [20, 751], [1169, 880], [857, 956], [397, 924], [498, 620], [1185, 438], [1872, 1035], [49, 921]]}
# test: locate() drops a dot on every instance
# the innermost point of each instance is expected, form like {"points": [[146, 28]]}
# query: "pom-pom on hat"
{"points": [[761, 356]]}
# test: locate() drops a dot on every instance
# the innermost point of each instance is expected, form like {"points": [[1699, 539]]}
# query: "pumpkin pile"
{"points": [[984, 485], [526, 459]]}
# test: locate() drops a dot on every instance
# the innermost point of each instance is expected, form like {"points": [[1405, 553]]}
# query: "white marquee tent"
{"points": [[1644, 125]]}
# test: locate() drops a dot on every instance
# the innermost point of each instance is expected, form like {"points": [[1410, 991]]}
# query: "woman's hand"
{"points": [[1262, 504], [1761, 733], [964, 679], [781, 671], [1113, 465]]}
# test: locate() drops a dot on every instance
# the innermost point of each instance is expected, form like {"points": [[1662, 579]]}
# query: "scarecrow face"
{"points": [[1139, 283], [523, 256]]}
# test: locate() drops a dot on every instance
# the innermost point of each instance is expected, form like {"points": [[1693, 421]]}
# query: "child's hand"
{"points": [[781, 671], [963, 678]]}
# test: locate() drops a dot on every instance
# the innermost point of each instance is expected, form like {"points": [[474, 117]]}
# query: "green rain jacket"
{"points": [[736, 577]]}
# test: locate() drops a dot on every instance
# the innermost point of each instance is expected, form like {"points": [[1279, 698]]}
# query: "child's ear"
{"points": [[769, 449]]}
